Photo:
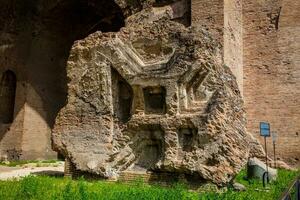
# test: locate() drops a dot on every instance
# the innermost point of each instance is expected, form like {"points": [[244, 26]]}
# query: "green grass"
{"points": [[49, 188]]}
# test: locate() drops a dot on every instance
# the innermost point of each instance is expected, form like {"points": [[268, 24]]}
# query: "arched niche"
{"points": [[7, 96]]}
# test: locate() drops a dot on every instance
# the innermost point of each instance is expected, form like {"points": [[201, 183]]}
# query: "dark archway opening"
{"points": [[56, 28], [79, 18], [43, 35], [68, 21], [7, 96]]}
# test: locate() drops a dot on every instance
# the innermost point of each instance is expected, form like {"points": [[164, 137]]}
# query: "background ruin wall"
{"points": [[261, 45], [224, 20], [272, 71], [261, 42]]}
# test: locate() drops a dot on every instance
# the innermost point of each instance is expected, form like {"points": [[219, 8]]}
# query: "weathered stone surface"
{"points": [[279, 164], [238, 187], [256, 149], [154, 96], [256, 169]]}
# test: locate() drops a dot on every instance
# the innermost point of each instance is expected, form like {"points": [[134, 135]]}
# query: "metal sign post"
{"points": [[274, 138], [265, 132]]}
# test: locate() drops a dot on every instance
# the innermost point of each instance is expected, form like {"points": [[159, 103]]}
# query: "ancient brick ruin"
{"points": [[149, 85]]}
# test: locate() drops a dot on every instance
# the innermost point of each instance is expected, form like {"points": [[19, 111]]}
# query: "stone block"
{"points": [[256, 169]]}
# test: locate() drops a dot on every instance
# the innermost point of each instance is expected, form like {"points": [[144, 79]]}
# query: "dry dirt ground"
{"points": [[17, 172]]}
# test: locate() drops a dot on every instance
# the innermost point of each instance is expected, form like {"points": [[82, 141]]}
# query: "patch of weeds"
{"points": [[24, 162], [139, 182], [28, 188], [49, 161], [50, 188]]}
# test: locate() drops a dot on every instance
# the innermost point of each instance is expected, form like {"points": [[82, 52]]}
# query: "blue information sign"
{"points": [[265, 129]]}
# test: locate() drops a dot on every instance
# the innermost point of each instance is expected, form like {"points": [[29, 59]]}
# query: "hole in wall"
{"points": [[13, 154], [149, 147], [7, 96], [155, 100], [275, 17], [212, 161], [186, 137], [122, 95], [150, 154]]}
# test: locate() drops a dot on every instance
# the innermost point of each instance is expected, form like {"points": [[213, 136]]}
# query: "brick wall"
{"points": [[38, 59], [272, 71], [224, 20], [209, 14], [12, 57], [261, 46]]}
